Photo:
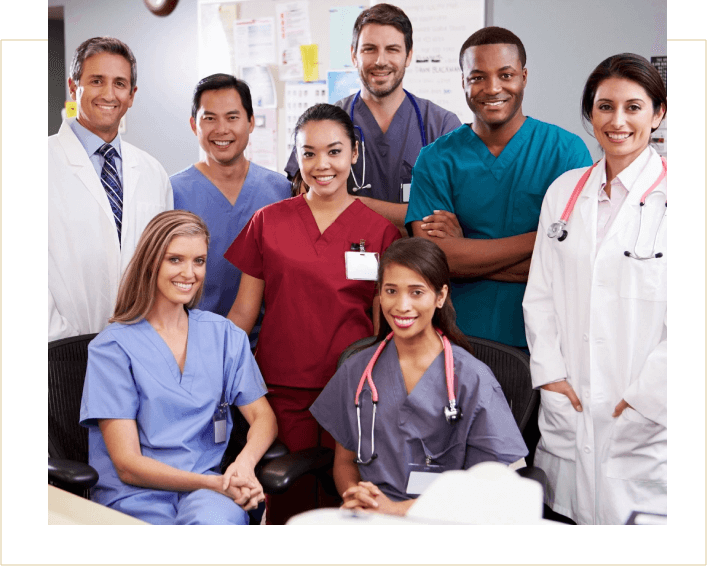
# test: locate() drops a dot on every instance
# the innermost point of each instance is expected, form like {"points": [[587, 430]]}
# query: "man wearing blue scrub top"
{"points": [[224, 189], [386, 116], [477, 191]]}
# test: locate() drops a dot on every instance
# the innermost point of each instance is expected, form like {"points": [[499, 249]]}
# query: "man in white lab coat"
{"points": [[102, 191]]}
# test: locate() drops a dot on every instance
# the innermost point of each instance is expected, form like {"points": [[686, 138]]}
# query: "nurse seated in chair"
{"points": [[158, 387], [417, 403]]}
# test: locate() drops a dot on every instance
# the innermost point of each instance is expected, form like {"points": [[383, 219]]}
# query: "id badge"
{"points": [[421, 476], [361, 266], [220, 422], [405, 190]]}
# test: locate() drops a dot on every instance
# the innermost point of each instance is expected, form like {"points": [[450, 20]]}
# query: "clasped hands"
{"points": [[240, 484], [565, 388], [365, 496]]}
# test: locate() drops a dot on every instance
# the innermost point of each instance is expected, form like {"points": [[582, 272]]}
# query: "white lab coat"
{"points": [[598, 318], [85, 258]]}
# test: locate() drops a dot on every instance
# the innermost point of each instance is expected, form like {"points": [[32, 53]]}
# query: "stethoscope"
{"points": [[557, 229], [452, 413], [420, 124]]}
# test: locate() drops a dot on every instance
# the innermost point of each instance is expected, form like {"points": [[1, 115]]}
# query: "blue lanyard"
{"points": [[414, 104]]}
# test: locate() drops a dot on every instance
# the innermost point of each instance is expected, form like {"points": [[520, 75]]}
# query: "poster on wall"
{"points": [[293, 30], [262, 144], [341, 22], [298, 97], [216, 38], [261, 84], [255, 41]]}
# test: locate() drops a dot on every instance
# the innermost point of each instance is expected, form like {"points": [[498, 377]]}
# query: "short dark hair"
{"points": [[384, 15], [490, 36], [97, 45], [625, 66], [221, 81]]}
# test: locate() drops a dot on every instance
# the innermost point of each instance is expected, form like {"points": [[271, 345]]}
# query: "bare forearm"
{"points": [[261, 434], [469, 257], [517, 273], [143, 471], [345, 471], [246, 307]]}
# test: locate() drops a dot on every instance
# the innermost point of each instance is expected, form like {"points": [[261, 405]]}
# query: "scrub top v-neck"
{"points": [[312, 312]]}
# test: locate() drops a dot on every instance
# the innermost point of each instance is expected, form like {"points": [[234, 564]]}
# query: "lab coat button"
{"points": [[587, 450], [586, 338]]}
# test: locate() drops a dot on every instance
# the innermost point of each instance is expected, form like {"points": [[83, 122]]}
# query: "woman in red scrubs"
{"points": [[317, 299]]}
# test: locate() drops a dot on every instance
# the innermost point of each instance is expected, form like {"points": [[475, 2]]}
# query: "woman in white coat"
{"points": [[595, 309]]}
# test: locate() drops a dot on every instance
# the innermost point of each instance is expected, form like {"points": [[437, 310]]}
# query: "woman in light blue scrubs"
{"points": [[158, 385], [386, 456]]}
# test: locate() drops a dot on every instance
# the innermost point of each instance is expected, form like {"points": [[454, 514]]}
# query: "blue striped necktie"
{"points": [[111, 184]]}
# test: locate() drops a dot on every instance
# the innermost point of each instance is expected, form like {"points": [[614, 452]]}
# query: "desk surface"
{"points": [[68, 509]]}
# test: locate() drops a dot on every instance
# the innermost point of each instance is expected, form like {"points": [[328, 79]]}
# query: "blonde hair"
{"points": [[136, 294]]}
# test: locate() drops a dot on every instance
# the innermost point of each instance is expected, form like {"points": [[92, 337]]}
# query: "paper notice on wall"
{"points": [[255, 41], [262, 145], [310, 62], [342, 84], [262, 86], [341, 22], [217, 49], [298, 97], [293, 30]]}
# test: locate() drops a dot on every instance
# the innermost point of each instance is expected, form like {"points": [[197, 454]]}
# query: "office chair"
{"points": [[68, 440]]}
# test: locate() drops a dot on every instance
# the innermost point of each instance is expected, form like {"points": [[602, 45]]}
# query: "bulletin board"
{"points": [[261, 42]]}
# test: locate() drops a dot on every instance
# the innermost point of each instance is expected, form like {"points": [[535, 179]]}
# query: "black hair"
{"points": [[625, 66], [97, 45], [221, 81], [490, 36], [429, 261], [320, 113]]}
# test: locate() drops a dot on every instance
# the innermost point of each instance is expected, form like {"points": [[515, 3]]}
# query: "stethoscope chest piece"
{"points": [[452, 413], [557, 230]]}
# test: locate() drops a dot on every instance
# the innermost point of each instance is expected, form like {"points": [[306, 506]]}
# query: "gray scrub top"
{"points": [[409, 428], [390, 156]]}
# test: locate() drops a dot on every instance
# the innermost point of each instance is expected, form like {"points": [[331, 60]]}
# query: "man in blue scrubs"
{"points": [[477, 191], [224, 189], [394, 125]]}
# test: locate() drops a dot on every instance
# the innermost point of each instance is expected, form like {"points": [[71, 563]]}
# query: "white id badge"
{"points": [[361, 266], [421, 477], [405, 187], [220, 421]]}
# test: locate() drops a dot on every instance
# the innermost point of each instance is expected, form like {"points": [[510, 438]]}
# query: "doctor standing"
{"points": [[102, 191], [595, 309], [392, 124]]}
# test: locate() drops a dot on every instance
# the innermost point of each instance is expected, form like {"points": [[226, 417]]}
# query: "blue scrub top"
{"points": [[411, 427], [132, 374], [391, 155], [493, 197], [195, 193]]}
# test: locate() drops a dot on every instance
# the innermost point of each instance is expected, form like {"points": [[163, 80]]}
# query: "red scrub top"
{"points": [[312, 312]]}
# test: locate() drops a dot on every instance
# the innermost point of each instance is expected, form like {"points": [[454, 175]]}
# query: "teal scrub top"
{"points": [[493, 197]]}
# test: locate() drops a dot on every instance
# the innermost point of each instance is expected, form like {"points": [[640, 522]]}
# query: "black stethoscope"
{"points": [[557, 229], [452, 413], [420, 124]]}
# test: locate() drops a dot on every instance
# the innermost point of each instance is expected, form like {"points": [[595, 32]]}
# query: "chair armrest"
{"points": [[277, 475], [71, 476], [533, 473]]}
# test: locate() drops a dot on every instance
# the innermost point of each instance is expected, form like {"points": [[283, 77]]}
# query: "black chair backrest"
{"points": [[510, 365], [67, 369]]}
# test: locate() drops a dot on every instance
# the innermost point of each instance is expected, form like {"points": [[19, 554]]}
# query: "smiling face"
{"points": [[622, 118], [182, 270], [408, 303], [103, 94], [325, 156], [494, 82], [222, 126], [381, 59]]}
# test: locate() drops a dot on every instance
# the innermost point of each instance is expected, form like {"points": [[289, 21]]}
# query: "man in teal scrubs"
{"points": [[477, 191]]}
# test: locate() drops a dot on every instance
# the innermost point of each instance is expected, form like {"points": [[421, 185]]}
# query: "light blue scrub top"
{"points": [[391, 155], [195, 193], [410, 427], [493, 197], [132, 374]]}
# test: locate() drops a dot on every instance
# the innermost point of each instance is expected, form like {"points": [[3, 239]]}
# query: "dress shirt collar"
{"points": [[90, 141], [629, 175]]}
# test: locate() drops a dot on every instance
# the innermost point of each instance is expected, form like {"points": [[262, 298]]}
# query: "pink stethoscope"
{"points": [[452, 413], [557, 229]]}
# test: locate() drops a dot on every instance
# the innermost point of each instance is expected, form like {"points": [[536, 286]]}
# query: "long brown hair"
{"points": [[136, 294], [427, 260]]}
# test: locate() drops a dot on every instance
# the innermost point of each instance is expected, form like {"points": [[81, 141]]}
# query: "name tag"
{"points": [[421, 476], [361, 266], [405, 189]]}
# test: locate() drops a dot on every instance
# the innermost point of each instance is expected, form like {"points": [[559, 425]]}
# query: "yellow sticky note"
{"points": [[70, 106], [310, 62]]}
